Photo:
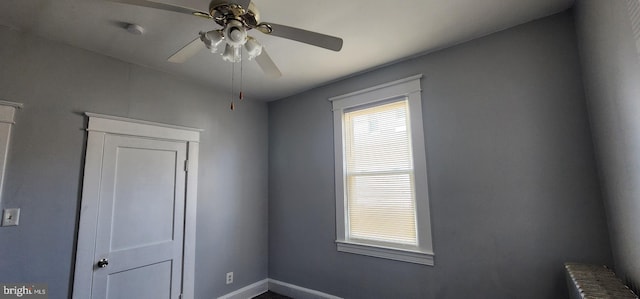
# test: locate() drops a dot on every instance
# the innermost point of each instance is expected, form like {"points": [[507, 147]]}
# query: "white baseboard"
{"points": [[287, 289], [297, 292], [249, 291]]}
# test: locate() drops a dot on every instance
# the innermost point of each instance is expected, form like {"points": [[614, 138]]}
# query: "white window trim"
{"points": [[7, 120], [408, 88]]}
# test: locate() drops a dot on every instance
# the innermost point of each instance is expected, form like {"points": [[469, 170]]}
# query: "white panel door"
{"points": [[139, 233]]}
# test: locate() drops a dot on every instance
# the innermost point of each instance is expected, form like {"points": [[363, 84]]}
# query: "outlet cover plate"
{"points": [[230, 278], [10, 217]]}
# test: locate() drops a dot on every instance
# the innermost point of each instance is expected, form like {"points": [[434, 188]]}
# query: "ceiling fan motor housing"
{"points": [[222, 11]]}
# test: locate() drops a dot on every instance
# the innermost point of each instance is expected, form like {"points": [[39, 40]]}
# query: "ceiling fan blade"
{"points": [[303, 36], [187, 51], [168, 7], [267, 65]]}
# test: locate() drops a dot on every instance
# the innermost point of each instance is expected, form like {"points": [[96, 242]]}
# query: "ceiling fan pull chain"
{"points": [[241, 96], [233, 68]]}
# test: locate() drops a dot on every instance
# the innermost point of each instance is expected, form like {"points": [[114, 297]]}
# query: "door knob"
{"points": [[103, 263]]}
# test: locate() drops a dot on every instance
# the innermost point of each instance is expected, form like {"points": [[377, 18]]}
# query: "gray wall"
{"points": [[56, 83], [611, 67], [513, 183]]}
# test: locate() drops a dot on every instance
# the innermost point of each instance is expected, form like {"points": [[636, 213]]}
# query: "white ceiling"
{"points": [[375, 32]]}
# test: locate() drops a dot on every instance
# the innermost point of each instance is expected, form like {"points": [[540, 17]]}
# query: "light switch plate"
{"points": [[10, 217]]}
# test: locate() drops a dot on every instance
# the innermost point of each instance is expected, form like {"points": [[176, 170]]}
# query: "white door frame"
{"points": [[99, 126]]}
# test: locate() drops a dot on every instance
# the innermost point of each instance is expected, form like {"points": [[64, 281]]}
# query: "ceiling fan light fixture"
{"points": [[212, 39], [231, 53], [235, 33], [254, 49]]}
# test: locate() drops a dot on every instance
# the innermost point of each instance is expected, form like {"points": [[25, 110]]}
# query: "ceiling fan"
{"points": [[237, 17]]}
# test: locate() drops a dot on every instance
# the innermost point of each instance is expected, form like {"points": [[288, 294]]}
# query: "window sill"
{"points": [[404, 255]]}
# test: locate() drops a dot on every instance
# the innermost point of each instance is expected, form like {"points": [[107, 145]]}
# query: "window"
{"points": [[381, 178]]}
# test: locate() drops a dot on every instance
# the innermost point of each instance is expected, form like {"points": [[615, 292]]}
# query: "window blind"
{"points": [[379, 174]]}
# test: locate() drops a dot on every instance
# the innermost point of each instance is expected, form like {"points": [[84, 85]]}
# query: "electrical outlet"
{"points": [[230, 278], [10, 217]]}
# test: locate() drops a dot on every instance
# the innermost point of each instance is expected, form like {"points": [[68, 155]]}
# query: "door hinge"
{"points": [[186, 165]]}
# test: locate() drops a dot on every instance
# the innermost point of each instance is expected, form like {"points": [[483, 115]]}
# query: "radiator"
{"points": [[592, 281]]}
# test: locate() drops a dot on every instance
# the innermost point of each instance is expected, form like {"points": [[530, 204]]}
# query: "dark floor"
{"points": [[271, 295]]}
